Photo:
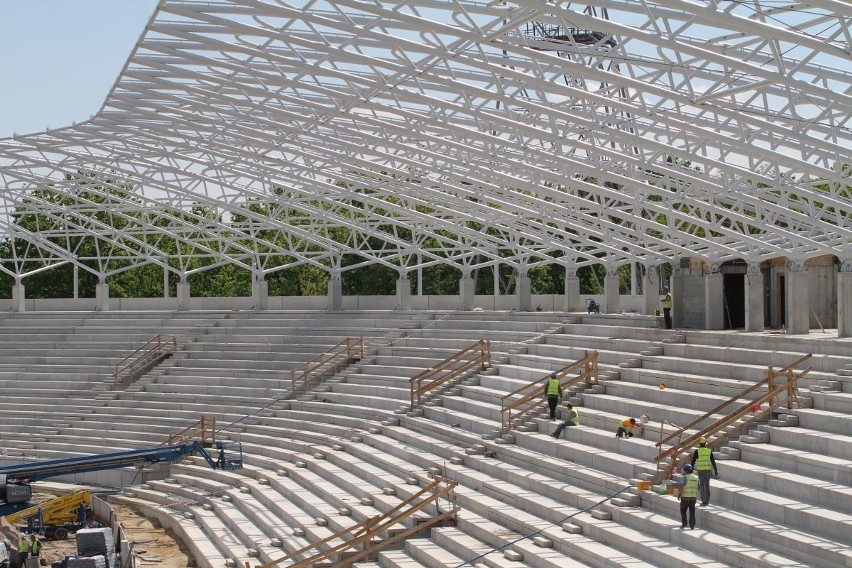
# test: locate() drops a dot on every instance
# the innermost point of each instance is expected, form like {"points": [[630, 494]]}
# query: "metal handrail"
{"points": [[448, 369], [153, 350], [530, 400], [679, 452], [767, 381], [366, 532], [200, 429], [350, 349]]}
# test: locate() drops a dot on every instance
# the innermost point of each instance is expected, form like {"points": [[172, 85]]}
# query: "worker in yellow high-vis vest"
{"points": [[703, 463], [24, 548], [571, 419], [553, 392], [687, 496]]}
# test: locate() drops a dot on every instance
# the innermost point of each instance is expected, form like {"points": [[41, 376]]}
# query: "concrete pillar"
{"points": [[260, 294], [651, 291], [183, 294], [573, 301], [467, 291], [102, 297], [797, 298], [677, 287], [754, 298], [524, 292], [335, 292], [714, 299], [403, 294], [19, 298], [844, 299], [612, 305]]}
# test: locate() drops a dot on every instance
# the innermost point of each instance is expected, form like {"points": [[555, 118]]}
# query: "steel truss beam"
{"points": [[270, 134]]}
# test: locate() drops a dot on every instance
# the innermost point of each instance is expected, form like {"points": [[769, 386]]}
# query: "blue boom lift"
{"points": [[15, 490]]}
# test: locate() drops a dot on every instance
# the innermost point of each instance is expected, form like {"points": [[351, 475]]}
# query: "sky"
{"points": [[60, 58]]}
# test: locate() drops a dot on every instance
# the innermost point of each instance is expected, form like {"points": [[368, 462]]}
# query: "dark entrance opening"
{"points": [[734, 290]]}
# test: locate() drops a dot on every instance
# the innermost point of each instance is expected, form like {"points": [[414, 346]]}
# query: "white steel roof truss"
{"points": [[443, 132]]}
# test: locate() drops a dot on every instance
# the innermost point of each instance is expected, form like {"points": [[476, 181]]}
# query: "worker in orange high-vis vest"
{"points": [[553, 392], [625, 428], [703, 462]]}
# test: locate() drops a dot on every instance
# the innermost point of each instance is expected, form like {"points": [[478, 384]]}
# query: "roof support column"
{"points": [[19, 296], [612, 304], [677, 286], [467, 291], [651, 290], [102, 296], [524, 290], [844, 298], [260, 293], [403, 293], [754, 298], [572, 290], [714, 298], [797, 298], [183, 294], [335, 291]]}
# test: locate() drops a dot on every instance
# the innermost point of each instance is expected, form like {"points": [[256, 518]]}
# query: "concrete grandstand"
{"points": [[704, 147]]}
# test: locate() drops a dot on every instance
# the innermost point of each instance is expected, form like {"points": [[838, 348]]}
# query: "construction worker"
{"points": [[553, 392], [625, 428], [24, 548], [573, 419], [687, 496], [666, 303], [703, 462], [4, 554], [35, 546]]}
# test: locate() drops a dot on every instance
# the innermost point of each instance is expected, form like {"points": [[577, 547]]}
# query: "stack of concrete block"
{"points": [[97, 542], [86, 562]]}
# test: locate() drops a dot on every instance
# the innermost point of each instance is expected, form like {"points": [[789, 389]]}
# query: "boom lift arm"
{"points": [[15, 479]]}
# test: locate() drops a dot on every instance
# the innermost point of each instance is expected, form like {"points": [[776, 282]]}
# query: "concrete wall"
{"points": [[549, 303], [822, 284], [691, 301]]}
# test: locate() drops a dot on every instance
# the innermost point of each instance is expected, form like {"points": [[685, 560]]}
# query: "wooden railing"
{"points": [[525, 399], [367, 533], [140, 361], [476, 355], [745, 415], [304, 376], [203, 429]]}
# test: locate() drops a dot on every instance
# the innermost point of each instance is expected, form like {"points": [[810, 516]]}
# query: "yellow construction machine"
{"points": [[55, 518]]}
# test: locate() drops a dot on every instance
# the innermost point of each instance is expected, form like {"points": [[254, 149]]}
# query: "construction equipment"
{"points": [[15, 490], [56, 517]]}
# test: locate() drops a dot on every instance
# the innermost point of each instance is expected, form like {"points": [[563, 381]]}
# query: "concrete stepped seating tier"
{"points": [[374, 451], [203, 551], [346, 447], [511, 492], [535, 461], [822, 420]]}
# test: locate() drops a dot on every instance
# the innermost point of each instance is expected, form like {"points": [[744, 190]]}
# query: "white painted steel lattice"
{"points": [[423, 132]]}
